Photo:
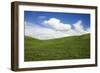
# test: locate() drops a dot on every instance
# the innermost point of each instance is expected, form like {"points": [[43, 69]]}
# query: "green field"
{"points": [[74, 47]]}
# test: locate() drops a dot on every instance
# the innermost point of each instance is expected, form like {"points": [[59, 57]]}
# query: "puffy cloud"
{"points": [[56, 29], [78, 26], [42, 33], [57, 24]]}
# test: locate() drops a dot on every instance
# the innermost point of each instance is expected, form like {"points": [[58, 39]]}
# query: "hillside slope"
{"points": [[74, 47]]}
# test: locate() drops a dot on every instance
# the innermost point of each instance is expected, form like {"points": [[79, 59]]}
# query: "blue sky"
{"points": [[50, 25], [37, 17]]}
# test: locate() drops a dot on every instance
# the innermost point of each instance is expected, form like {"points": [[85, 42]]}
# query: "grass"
{"points": [[74, 47]]}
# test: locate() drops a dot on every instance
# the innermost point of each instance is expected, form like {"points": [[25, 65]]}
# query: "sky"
{"points": [[51, 25]]}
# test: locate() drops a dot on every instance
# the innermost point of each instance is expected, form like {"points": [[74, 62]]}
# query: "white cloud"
{"points": [[57, 24], [43, 33], [78, 26], [56, 29]]}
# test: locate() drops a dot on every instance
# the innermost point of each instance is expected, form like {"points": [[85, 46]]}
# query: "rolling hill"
{"points": [[73, 47]]}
